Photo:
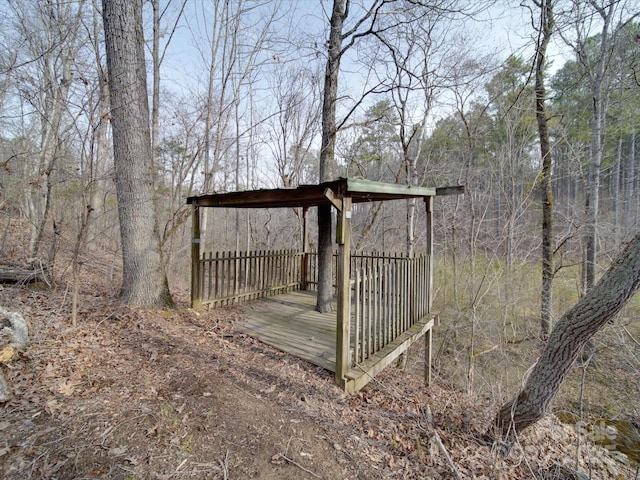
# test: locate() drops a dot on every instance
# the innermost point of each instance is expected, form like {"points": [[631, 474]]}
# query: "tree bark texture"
{"points": [[601, 303], [546, 297], [327, 157], [144, 281]]}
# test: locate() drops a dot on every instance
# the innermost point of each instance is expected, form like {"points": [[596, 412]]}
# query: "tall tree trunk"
{"points": [[327, 157], [546, 303], [411, 148], [593, 194], [629, 181], [599, 305], [209, 163], [596, 78], [155, 89], [144, 281], [616, 193], [100, 146]]}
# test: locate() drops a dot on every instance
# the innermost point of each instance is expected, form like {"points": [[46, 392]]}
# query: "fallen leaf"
{"points": [[67, 388], [7, 354], [52, 407]]}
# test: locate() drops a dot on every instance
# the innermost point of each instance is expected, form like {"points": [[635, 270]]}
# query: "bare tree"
{"points": [[144, 280], [545, 30], [157, 55], [239, 35], [294, 125], [53, 36], [420, 57], [596, 67]]}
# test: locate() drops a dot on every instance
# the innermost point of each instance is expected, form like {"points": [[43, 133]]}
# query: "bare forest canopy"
{"points": [[244, 113], [429, 93]]}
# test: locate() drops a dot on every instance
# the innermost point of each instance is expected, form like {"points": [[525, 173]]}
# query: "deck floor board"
{"points": [[290, 323]]}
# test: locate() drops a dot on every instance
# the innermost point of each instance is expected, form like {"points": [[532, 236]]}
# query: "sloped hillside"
{"points": [[150, 394]]}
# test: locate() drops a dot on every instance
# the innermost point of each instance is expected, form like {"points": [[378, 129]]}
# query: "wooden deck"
{"points": [[289, 323]]}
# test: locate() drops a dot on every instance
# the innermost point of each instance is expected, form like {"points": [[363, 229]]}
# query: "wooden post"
{"points": [[343, 317], [427, 356], [428, 335], [196, 278], [429, 236], [304, 270]]}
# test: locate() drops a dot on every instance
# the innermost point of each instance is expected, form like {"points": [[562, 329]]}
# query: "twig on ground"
{"points": [[181, 465], [293, 462], [438, 440], [630, 336], [103, 320], [224, 465]]}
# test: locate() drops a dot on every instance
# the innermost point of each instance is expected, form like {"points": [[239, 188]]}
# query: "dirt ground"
{"points": [[152, 394]]}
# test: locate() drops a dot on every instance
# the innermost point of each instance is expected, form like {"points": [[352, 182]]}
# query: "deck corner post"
{"points": [[304, 262], [429, 238], [344, 293], [427, 356], [428, 338], [196, 277]]}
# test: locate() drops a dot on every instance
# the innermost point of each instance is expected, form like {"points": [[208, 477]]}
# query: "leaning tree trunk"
{"points": [[601, 303], [144, 281], [327, 157]]}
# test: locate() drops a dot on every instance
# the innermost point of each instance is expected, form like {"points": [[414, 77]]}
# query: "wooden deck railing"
{"points": [[359, 261], [389, 292], [388, 298], [227, 278]]}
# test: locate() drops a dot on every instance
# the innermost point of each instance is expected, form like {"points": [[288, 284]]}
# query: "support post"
{"points": [[429, 237], [196, 277], [343, 238], [304, 266], [428, 335], [428, 340]]}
